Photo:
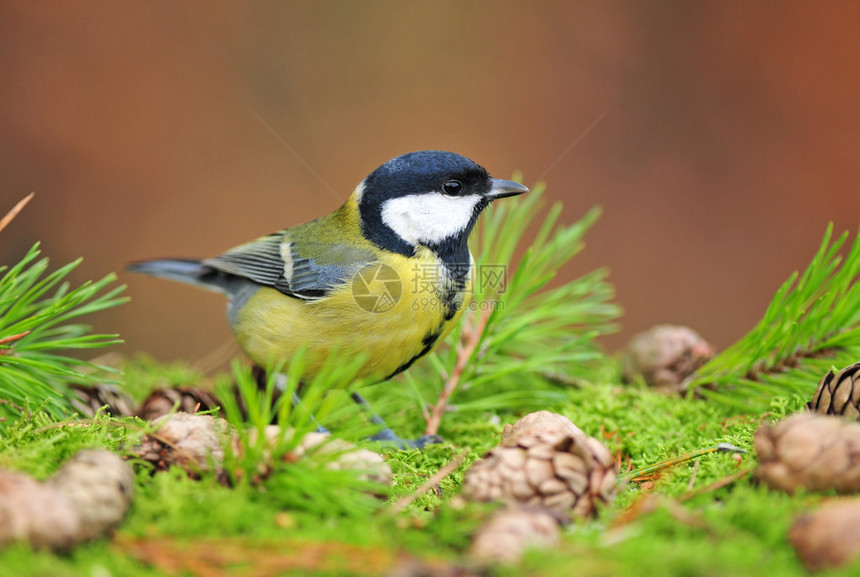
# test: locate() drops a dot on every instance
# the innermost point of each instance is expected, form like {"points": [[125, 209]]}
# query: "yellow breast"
{"points": [[394, 311]]}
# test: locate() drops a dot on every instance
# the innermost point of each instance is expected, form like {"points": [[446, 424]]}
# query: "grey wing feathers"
{"points": [[311, 275], [259, 260]]}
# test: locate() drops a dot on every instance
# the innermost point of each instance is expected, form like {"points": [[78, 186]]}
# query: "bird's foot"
{"points": [[388, 437]]}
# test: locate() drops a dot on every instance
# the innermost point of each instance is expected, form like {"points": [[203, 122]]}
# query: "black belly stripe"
{"points": [[450, 312], [451, 302], [428, 341]]}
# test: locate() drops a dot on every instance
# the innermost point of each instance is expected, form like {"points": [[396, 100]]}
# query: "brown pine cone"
{"points": [[828, 537], [540, 423], [87, 400], [161, 401], [193, 442], [838, 394], [88, 497], [665, 356], [99, 485], [808, 450], [508, 534], [34, 513], [547, 464], [346, 456], [196, 444]]}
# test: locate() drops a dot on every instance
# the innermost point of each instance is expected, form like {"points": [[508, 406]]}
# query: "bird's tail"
{"points": [[188, 271]]}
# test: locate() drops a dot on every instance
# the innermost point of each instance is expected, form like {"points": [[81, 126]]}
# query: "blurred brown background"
{"points": [[731, 135]]}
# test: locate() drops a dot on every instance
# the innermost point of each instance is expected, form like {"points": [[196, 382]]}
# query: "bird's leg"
{"points": [[385, 435], [389, 437], [297, 404]]}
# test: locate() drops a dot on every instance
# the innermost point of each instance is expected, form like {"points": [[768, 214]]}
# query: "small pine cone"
{"points": [[807, 450], [99, 485], [32, 512], [542, 423], [665, 356], [370, 465], [829, 537], [87, 400], [191, 399], [838, 394], [546, 465], [508, 534], [193, 442], [88, 497], [339, 454]]}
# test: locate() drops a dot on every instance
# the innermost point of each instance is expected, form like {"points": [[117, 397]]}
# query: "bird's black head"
{"points": [[430, 198]]}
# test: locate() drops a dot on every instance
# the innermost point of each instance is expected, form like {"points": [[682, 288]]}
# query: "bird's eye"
{"points": [[453, 188]]}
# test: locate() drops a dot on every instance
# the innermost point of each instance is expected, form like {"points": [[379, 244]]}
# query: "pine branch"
{"points": [[812, 323], [35, 310], [515, 325], [309, 483]]}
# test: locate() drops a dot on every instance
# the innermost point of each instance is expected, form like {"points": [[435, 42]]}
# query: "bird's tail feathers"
{"points": [[189, 271]]}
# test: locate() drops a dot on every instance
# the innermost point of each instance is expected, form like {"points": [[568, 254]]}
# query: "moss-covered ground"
{"points": [[704, 517]]}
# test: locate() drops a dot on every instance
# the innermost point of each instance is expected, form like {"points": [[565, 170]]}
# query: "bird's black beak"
{"points": [[504, 188]]}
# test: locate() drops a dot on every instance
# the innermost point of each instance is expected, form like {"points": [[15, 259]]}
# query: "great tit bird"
{"points": [[386, 275]]}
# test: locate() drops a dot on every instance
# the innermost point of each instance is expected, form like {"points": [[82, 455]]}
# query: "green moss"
{"points": [[738, 529]]}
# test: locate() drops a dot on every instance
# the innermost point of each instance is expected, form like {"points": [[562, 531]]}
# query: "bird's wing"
{"points": [[259, 260], [308, 269]]}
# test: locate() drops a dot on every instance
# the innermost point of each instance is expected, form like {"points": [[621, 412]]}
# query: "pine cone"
{"points": [[34, 513], [828, 537], [838, 394], [508, 534], [807, 450], [370, 465], [547, 464], [99, 485], [88, 496], [540, 423], [161, 401], [87, 400], [665, 356], [193, 442]]}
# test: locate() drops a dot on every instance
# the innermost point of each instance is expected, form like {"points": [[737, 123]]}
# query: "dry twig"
{"points": [[10, 340], [446, 470], [725, 481], [469, 343], [15, 210]]}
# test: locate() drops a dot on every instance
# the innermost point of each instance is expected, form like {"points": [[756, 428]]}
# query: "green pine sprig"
{"points": [[38, 310], [812, 324], [518, 325], [307, 483]]}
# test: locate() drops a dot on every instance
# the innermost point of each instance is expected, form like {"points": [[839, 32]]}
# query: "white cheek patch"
{"points": [[428, 218]]}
